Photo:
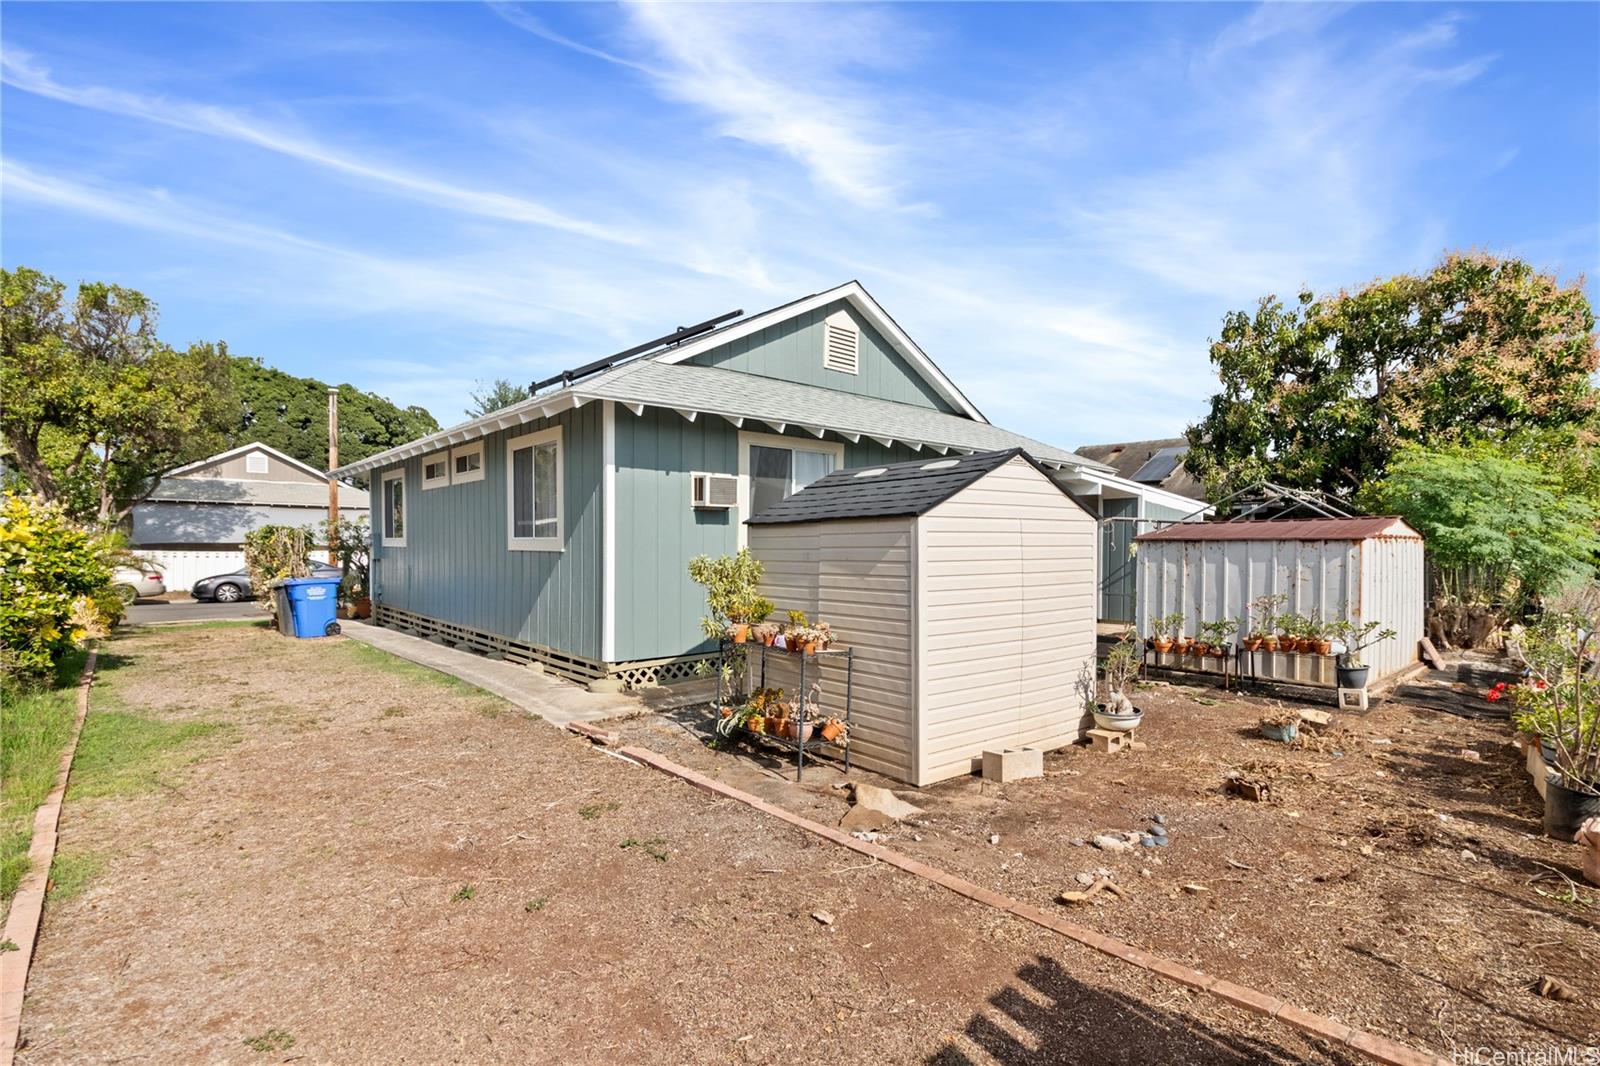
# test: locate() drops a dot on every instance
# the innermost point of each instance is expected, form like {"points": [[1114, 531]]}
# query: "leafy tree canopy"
{"points": [[96, 405], [1322, 393], [501, 393], [291, 414], [1486, 510]]}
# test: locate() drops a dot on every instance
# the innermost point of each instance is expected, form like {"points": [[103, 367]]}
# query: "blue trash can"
{"points": [[313, 604]]}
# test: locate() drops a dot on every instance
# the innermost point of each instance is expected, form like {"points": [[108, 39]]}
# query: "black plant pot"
{"points": [[1565, 809], [1352, 676]]}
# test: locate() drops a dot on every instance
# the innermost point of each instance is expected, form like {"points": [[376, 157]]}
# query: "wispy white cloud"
{"points": [[19, 70]]}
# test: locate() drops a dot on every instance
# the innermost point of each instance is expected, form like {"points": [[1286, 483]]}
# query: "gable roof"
{"points": [[1388, 526], [781, 404], [663, 380], [255, 493], [1149, 462], [253, 446], [858, 297], [898, 490]]}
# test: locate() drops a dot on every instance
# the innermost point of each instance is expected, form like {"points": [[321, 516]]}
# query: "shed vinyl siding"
{"points": [[457, 567], [658, 530], [793, 351], [856, 576], [1006, 594]]}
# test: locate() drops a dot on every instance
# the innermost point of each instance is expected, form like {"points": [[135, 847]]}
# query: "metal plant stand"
{"points": [[798, 743]]}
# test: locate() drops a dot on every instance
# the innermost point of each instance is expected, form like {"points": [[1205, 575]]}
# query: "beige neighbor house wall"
{"points": [[1006, 592], [857, 575]]}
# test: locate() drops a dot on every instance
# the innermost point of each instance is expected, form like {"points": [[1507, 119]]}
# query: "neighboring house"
{"points": [[559, 530], [1158, 463], [1168, 493], [193, 525]]}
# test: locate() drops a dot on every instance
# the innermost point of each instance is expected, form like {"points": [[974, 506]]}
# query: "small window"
{"points": [[841, 344], [436, 471], [466, 463], [394, 509], [255, 463], [533, 491]]}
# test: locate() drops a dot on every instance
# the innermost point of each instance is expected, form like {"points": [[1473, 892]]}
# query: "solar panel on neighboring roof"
{"points": [[1160, 466]]}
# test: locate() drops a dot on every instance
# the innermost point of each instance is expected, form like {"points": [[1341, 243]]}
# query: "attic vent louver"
{"points": [[841, 344]]}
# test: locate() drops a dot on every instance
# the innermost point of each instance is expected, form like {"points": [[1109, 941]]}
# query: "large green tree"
{"points": [[94, 404], [291, 414], [1320, 394]]}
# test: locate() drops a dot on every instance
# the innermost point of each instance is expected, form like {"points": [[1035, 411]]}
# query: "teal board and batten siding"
{"points": [[658, 531], [792, 351], [455, 566]]}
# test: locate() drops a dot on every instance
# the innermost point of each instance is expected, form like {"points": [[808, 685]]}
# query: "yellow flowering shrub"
{"points": [[55, 586]]}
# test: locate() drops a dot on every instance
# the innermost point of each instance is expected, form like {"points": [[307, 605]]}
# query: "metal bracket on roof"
{"points": [[677, 336]]}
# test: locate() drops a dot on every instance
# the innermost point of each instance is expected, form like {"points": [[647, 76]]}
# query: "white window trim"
{"points": [[775, 440], [436, 482], [475, 448], [383, 508], [536, 544]]}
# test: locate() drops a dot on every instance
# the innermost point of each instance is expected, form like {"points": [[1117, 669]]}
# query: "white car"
{"points": [[133, 583]]}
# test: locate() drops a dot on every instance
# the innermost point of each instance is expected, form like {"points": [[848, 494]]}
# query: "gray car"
{"points": [[231, 588]]}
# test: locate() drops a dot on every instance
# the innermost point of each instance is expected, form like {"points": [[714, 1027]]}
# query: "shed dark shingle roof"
{"points": [[899, 490], [1288, 529]]}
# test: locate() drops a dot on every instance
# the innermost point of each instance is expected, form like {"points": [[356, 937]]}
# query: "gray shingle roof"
{"points": [[258, 493], [902, 489], [734, 394]]}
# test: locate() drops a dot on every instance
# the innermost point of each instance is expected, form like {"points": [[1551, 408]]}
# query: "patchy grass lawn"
{"points": [[289, 866], [34, 727]]}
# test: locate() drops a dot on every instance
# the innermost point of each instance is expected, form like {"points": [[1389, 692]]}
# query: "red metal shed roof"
{"points": [[1288, 529]]}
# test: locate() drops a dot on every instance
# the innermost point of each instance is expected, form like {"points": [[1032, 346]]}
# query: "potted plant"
{"points": [[1162, 628], [833, 731], [1356, 637], [1560, 697], [731, 598], [1263, 616], [1121, 670], [1282, 726], [1320, 634], [1215, 636], [1288, 631], [792, 636], [765, 632]]}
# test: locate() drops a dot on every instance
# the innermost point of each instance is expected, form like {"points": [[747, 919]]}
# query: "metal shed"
{"points": [[1357, 569], [966, 587]]}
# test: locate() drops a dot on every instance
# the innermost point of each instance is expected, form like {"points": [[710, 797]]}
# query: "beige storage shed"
{"points": [[966, 587]]}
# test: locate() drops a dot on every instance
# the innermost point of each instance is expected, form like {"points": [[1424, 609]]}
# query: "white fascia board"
{"points": [[1147, 493], [869, 309], [515, 415]]}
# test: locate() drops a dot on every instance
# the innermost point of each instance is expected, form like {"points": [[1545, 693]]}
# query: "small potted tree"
{"points": [[1162, 629], [1352, 672], [1215, 636], [1121, 670], [1560, 697], [1264, 617]]}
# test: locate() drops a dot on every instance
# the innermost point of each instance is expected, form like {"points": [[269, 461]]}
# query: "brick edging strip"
{"points": [[27, 906], [1377, 1048]]}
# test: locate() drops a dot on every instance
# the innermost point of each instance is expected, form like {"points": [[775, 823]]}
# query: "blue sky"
{"points": [[1059, 202]]}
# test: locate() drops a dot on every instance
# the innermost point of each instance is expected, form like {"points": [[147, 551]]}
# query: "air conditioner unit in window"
{"points": [[715, 492]]}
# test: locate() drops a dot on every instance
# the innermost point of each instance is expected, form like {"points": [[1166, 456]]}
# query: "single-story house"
{"points": [[194, 523], [559, 530], [1170, 494]]}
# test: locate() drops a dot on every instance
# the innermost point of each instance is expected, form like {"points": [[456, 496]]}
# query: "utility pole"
{"points": [[333, 482]]}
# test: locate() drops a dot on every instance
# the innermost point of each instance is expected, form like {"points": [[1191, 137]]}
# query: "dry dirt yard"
{"points": [[1389, 881], [305, 851]]}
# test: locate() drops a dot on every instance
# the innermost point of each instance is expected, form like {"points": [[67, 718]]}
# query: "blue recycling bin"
{"points": [[313, 604]]}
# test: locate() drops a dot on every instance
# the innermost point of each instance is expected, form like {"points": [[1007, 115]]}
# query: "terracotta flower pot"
{"points": [[1322, 647], [811, 647], [756, 724], [831, 730], [1163, 645], [1252, 644], [741, 633], [1270, 643]]}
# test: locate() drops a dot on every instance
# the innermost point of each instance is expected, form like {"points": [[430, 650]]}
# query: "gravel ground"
{"points": [[1390, 881], [373, 865]]}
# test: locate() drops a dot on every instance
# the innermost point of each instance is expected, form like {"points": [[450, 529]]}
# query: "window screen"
{"points": [[394, 508], [534, 500]]}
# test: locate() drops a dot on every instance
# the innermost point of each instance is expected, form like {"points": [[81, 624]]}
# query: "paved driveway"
{"points": [[157, 612]]}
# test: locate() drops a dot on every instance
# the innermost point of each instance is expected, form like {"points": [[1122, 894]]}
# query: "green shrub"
{"points": [[55, 587], [272, 553]]}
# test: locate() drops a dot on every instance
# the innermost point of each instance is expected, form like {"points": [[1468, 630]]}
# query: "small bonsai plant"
{"points": [[1163, 629], [1320, 634], [1215, 636], [1263, 614], [1121, 671], [1357, 637]]}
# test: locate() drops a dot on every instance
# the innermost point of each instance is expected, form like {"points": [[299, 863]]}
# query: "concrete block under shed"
{"points": [[1012, 764]]}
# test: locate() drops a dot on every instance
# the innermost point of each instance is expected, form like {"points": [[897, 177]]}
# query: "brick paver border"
{"points": [[27, 906], [1377, 1048]]}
